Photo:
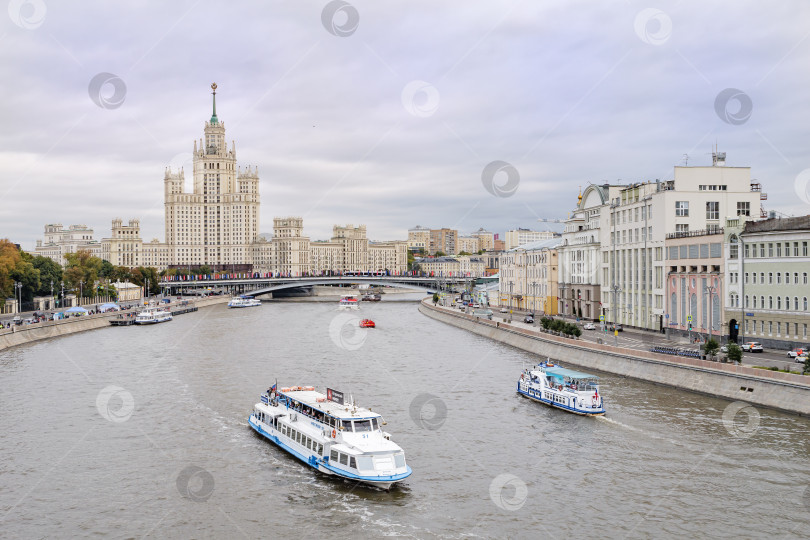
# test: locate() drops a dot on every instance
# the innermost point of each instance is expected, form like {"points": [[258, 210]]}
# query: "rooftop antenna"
{"points": [[686, 160]]}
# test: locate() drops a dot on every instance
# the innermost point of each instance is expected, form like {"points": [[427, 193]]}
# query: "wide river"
{"points": [[142, 431]]}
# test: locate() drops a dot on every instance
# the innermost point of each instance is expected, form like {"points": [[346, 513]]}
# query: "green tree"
{"points": [[440, 254], [465, 253], [9, 258], [82, 271], [107, 270], [49, 272], [204, 270], [711, 347], [806, 365], [735, 353]]}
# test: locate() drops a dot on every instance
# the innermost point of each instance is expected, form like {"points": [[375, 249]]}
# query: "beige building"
{"points": [[464, 266], [519, 237], [59, 241], [528, 277], [444, 240], [469, 244], [419, 239], [487, 239], [128, 291]]}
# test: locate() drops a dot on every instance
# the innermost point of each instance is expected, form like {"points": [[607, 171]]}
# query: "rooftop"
{"points": [[801, 223]]}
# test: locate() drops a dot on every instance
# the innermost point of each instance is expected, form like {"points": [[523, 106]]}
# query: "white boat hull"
{"points": [[572, 402]]}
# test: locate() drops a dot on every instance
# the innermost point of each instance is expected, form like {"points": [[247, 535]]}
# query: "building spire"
{"points": [[214, 119]]}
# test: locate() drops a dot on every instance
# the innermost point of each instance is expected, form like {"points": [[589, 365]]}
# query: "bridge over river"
{"points": [[257, 286]]}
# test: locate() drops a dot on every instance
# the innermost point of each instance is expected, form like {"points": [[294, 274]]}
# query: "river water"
{"points": [[141, 431]]}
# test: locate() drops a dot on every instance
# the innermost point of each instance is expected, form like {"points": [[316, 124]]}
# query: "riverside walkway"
{"points": [[785, 391]]}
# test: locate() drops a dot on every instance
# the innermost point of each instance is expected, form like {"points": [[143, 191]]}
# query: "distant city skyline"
{"points": [[454, 115]]}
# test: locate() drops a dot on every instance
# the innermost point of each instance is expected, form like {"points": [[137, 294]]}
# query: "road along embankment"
{"points": [[35, 332], [784, 391]]}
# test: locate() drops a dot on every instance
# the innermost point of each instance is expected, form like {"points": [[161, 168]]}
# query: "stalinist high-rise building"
{"points": [[217, 225], [217, 222]]}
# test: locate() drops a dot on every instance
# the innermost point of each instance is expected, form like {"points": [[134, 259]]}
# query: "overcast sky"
{"points": [[389, 113]]}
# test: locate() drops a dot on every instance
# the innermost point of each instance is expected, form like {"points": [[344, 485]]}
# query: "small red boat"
{"points": [[367, 323]]}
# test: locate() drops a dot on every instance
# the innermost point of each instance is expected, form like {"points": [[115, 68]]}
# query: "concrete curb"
{"points": [[784, 391]]}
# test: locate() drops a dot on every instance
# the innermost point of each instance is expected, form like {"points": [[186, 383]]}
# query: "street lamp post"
{"points": [[18, 287], [616, 290], [81, 284], [52, 299], [63, 296]]}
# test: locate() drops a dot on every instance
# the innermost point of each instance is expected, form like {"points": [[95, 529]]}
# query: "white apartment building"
{"points": [[487, 239], [519, 237], [580, 254], [469, 244], [639, 218], [59, 241]]}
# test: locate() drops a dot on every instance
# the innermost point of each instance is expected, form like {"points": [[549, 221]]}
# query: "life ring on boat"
{"points": [[334, 433], [559, 387], [521, 376]]}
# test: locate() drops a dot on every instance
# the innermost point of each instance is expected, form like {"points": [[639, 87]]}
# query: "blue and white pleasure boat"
{"points": [[331, 436], [565, 389], [244, 301]]}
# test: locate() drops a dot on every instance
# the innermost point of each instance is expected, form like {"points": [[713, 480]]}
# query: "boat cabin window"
{"points": [[352, 463], [361, 426], [344, 459], [333, 455]]}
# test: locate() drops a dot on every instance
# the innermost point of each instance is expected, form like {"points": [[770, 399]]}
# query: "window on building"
{"points": [[779, 278], [770, 328], [804, 303], [778, 328], [682, 208], [795, 303], [745, 252], [746, 300], [804, 249], [779, 250], [770, 278], [745, 278], [795, 278], [770, 302], [743, 209], [733, 247], [713, 210], [770, 249], [681, 228], [778, 302], [762, 250]]}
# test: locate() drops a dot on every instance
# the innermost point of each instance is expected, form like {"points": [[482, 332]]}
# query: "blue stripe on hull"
{"points": [[559, 405], [318, 463]]}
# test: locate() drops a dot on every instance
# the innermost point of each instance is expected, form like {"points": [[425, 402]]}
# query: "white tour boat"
{"points": [[565, 389], [329, 435], [244, 301], [349, 301], [153, 315]]}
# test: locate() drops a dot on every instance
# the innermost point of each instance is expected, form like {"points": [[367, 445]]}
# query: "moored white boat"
{"points": [[566, 389], [329, 435], [349, 301], [244, 301], [153, 315]]}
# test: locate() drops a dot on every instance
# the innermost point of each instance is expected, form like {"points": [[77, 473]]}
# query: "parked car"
{"points": [[504, 310], [753, 346], [529, 319], [801, 359], [476, 305], [17, 320], [796, 352], [589, 326], [724, 349]]}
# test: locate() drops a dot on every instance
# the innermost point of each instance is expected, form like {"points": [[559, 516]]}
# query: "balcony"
{"points": [[688, 234]]}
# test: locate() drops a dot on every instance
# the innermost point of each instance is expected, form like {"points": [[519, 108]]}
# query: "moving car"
{"points": [[476, 305], [504, 310], [529, 319], [589, 326], [753, 346], [796, 352], [801, 359], [616, 327]]}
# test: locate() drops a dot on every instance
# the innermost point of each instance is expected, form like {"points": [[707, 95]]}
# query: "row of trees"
{"points": [[83, 274], [557, 325]]}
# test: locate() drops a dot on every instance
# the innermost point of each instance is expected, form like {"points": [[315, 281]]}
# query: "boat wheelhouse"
{"points": [[349, 301], [566, 389], [153, 315], [335, 438], [244, 301]]}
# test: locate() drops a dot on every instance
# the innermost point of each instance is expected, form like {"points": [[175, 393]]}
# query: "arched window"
{"points": [[795, 303], [733, 247], [762, 301], [778, 302], [770, 302], [805, 303], [746, 300]]}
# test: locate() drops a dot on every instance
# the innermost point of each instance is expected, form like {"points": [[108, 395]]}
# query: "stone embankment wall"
{"points": [[785, 391], [35, 332]]}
